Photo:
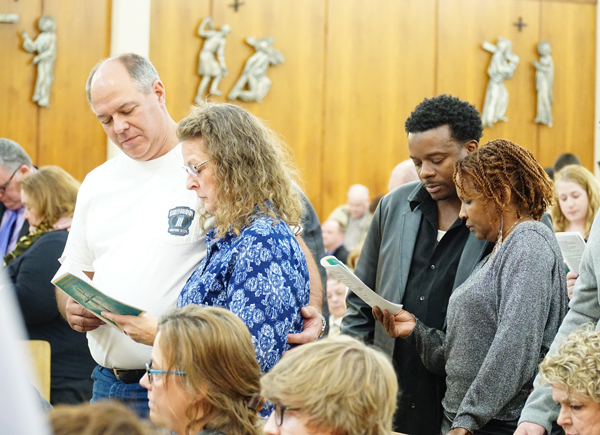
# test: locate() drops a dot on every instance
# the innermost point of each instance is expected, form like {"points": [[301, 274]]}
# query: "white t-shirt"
{"points": [[132, 228]]}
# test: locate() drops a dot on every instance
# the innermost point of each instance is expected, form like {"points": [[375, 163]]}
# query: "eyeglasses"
{"points": [[279, 410], [3, 188], [151, 372], [195, 169]]}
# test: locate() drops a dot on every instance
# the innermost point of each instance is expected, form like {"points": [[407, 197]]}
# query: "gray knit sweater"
{"points": [[499, 321]]}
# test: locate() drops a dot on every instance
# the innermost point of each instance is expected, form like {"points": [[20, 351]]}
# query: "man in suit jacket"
{"points": [[14, 164], [418, 250]]}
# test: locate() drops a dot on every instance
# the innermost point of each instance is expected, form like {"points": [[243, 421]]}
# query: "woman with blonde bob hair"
{"points": [[334, 386], [51, 194], [574, 374], [48, 195], [254, 266], [204, 377], [578, 199]]}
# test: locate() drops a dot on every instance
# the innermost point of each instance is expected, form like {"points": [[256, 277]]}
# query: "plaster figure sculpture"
{"points": [[45, 47], [502, 67], [211, 64], [253, 77], [544, 80]]}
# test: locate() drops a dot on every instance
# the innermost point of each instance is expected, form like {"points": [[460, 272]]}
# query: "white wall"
{"points": [[130, 33]]}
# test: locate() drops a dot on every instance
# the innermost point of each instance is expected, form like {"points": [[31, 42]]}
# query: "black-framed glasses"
{"points": [[195, 169], [151, 372], [279, 411], [3, 188]]}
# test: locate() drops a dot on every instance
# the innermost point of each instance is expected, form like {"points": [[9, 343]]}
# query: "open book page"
{"points": [[79, 287], [572, 246], [359, 288]]}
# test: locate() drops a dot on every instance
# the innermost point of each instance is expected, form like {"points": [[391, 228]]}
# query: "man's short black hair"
{"points": [[564, 160], [463, 118]]}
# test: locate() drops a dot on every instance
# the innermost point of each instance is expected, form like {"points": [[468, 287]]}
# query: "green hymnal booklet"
{"points": [[93, 299]]}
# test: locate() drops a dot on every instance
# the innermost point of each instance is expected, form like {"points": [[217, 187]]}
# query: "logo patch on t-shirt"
{"points": [[180, 219]]}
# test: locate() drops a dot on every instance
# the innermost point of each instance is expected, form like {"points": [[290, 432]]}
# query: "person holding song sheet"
{"points": [[503, 318], [578, 200]]}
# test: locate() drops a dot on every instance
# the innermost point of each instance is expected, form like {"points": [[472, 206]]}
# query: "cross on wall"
{"points": [[236, 4], [520, 24]]}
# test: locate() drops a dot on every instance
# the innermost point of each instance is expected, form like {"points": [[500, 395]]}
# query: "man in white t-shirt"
{"points": [[135, 230]]}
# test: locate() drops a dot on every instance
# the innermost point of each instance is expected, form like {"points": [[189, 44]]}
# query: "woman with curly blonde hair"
{"points": [[254, 265], [574, 374], [578, 199]]}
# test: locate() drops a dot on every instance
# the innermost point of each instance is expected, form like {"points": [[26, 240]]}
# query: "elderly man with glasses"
{"points": [[14, 164]]}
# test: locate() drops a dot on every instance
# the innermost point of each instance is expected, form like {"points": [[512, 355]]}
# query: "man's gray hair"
{"points": [[139, 68], [13, 156]]}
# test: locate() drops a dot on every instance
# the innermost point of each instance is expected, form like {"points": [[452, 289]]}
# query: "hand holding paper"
{"points": [[80, 319], [142, 329], [396, 325]]}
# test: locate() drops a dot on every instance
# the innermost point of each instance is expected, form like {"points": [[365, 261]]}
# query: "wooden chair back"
{"points": [[40, 354]]}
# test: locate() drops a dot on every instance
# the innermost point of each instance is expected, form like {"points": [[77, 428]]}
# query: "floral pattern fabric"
{"points": [[261, 276]]}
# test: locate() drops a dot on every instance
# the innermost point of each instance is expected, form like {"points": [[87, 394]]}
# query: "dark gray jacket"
{"points": [[385, 261]]}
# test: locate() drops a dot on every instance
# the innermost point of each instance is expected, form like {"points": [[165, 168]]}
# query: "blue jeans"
{"points": [[107, 386]]}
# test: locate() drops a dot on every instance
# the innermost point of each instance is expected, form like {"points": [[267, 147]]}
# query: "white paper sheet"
{"points": [[360, 289], [572, 246]]}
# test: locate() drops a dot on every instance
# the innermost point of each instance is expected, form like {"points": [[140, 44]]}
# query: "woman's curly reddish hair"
{"points": [[501, 164]]}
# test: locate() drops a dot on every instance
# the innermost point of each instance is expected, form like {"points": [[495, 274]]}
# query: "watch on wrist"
{"points": [[324, 324]]}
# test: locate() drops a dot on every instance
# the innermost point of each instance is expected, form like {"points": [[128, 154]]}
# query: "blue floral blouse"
{"points": [[261, 276]]}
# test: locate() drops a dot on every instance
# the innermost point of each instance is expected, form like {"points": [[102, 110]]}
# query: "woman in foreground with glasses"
{"points": [[333, 386], [203, 378]]}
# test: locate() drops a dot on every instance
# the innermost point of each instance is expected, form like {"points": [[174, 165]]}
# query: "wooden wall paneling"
{"points": [[462, 62], [18, 114], [380, 65], [571, 29], [592, 2], [70, 134], [174, 49], [294, 105]]}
